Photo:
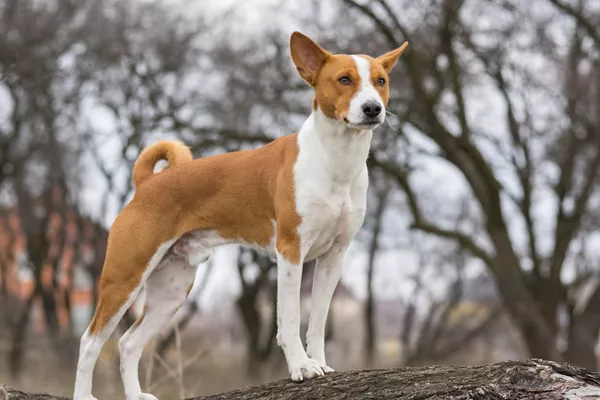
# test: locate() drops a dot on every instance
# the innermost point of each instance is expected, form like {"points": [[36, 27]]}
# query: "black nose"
{"points": [[371, 109]]}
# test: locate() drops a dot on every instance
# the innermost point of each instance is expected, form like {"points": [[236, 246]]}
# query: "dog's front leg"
{"points": [[327, 276], [289, 278]]}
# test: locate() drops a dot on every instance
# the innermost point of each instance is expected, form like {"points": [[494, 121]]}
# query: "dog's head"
{"points": [[351, 89]]}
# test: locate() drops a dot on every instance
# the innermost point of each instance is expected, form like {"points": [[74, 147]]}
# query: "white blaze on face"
{"points": [[365, 94]]}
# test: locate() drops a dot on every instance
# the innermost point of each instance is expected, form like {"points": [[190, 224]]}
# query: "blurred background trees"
{"points": [[481, 239]]}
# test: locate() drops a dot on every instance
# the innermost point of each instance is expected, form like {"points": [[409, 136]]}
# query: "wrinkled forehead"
{"points": [[358, 65], [338, 65]]}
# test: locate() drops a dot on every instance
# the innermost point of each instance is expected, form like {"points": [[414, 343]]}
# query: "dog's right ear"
{"points": [[307, 56]]}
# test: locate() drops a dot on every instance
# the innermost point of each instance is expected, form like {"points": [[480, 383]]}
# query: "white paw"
{"points": [[90, 397], [306, 370], [321, 361], [327, 369]]}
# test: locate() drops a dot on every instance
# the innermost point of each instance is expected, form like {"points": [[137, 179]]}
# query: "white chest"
{"points": [[331, 182], [326, 217]]}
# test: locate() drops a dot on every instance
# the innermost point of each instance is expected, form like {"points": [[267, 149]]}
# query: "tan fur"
{"points": [[388, 59], [174, 152], [237, 194], [332, 97]]}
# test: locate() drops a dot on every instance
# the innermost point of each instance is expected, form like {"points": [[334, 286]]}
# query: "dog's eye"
{"points": [[344, 80], [381, 82]]}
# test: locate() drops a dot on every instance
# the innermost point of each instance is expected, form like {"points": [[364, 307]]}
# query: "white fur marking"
{"points": [[160, 166], [366, 93]]}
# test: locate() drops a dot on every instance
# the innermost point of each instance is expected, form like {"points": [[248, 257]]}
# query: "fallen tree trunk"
{"points": [[531, 379]]}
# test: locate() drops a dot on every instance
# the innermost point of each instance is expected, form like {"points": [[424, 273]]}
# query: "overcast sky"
{"points": [[393, 266]]}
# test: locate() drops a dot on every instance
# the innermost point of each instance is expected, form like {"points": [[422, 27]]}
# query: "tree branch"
{"points": [[225, 135], [588, 25], [464, 240], [525, 380], [524, 172], [401, 177], [451, 14]]}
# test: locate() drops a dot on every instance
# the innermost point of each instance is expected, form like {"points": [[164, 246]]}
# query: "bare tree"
{"points": [[56, 60], [32, 138], [449, 61]]}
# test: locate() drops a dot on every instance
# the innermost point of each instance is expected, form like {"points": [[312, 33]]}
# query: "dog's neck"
{"points": [[333, 148]]}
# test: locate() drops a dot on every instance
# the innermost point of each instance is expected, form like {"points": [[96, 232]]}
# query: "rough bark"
{"points": [[531, 379]]}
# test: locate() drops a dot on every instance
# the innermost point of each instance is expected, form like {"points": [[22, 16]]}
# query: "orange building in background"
{"points": [[76, 247]]}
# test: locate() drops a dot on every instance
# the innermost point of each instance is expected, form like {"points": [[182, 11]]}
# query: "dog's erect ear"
{"points": [[307, 56], [389, 59]]}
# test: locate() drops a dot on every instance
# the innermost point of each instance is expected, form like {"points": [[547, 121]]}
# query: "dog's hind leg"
{"points": [[116, 296], [166, 290], [94, 338]]}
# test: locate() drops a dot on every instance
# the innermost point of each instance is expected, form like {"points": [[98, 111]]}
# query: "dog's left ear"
{"points": [[389, 59], [308, 56]]}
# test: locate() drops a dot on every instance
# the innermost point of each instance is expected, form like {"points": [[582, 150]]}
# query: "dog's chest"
{"points": [[330, 179], [329, 210]]}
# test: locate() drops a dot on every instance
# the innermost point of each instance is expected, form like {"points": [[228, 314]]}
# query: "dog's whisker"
{"points": [[390, 113], [390, 124], [395, 117]]}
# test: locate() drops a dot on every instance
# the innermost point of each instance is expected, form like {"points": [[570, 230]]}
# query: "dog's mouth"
{"points": [[365, 124]]}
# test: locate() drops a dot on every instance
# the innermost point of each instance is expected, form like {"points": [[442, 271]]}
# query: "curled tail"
{"points": [[174, 151]]}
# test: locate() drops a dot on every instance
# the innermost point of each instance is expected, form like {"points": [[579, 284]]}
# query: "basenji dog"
{"points": [[299, 198]]}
